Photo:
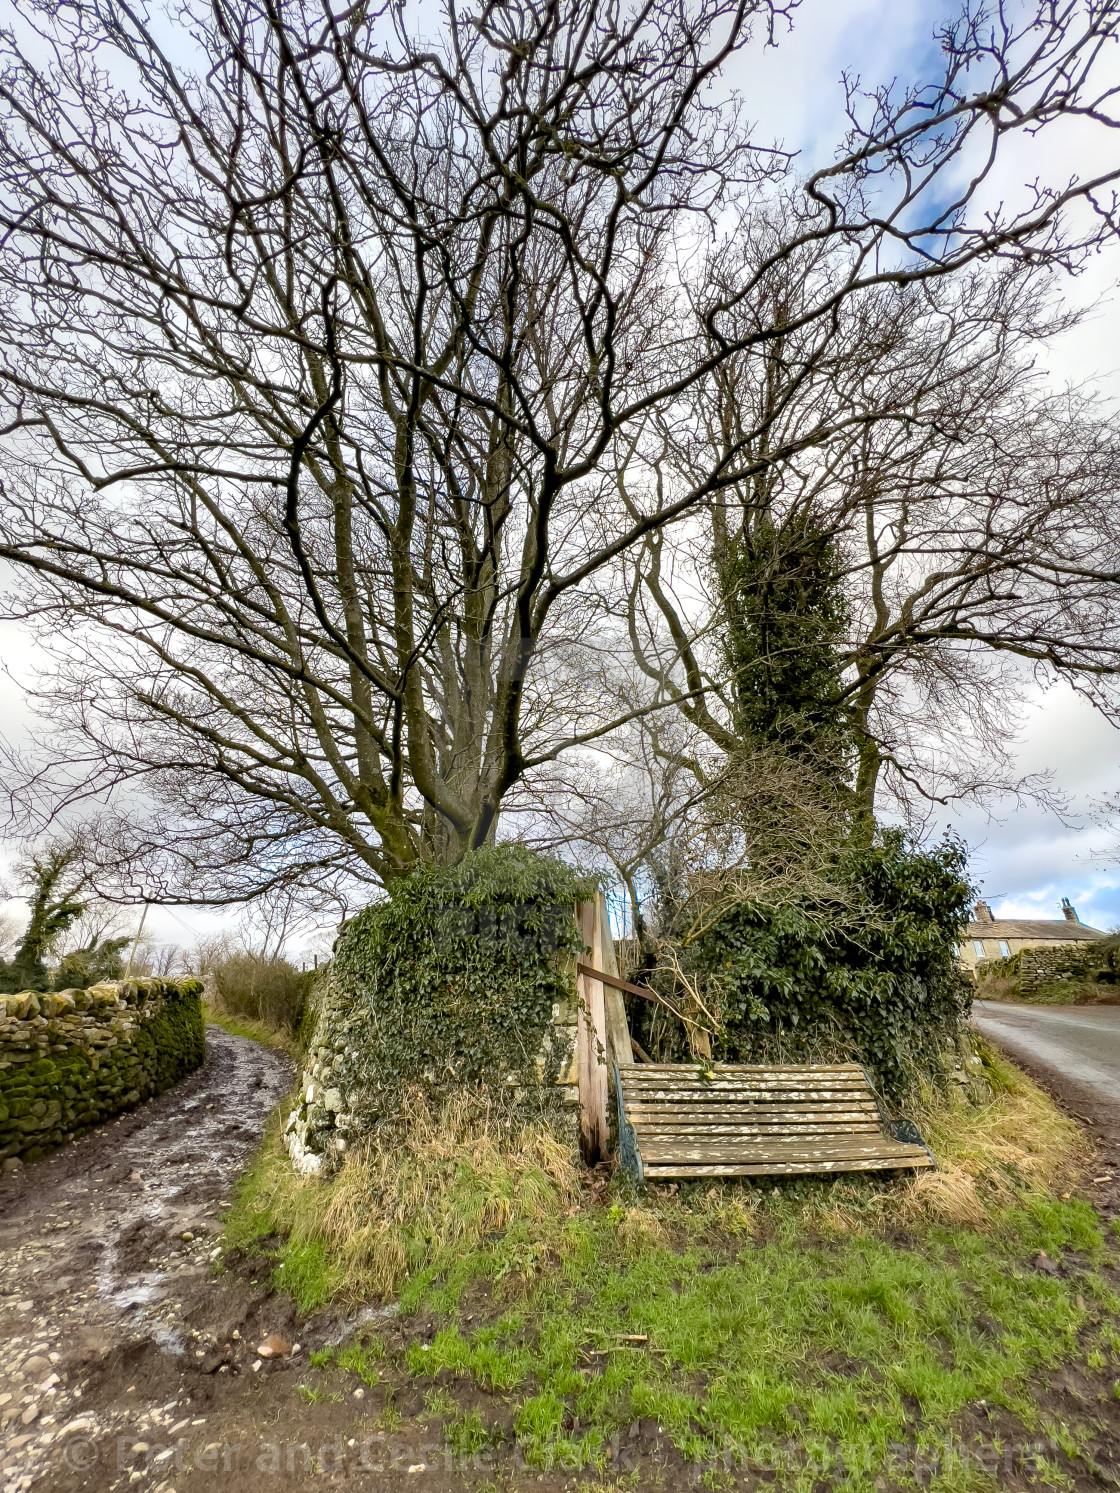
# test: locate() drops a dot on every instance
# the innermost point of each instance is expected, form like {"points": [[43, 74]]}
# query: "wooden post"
{"points": [[591, 1039], [603, 957]]}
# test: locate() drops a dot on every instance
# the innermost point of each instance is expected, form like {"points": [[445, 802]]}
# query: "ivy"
{"points": [[871, 972], [450, 984], [785, 620]]}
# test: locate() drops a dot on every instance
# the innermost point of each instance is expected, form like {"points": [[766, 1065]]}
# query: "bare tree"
{"points": [[970, 509], [324, 339]]}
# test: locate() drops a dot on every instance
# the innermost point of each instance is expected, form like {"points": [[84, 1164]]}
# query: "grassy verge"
{"points": [[781, 1326], [1059, 993], [256, 1031]]}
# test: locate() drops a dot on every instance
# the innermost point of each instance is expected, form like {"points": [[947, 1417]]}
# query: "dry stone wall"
{"points": [[330, 1109], [1034, 969], [70, 1059]]}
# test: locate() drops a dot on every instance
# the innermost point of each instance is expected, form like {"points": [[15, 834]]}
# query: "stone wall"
{"points": [[964, 1069], [70, 1059], [1032, 969], [328, 1115]]}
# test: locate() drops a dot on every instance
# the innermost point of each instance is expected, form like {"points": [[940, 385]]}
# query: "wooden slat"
{"points": [[650, 1142], [780, 1069], [672, 1110], [642, 1077], [750, 1122], [742, 1080], [776, 1123], [715, 1127], [786, 1168], [840, 1147], [790, 1096]]}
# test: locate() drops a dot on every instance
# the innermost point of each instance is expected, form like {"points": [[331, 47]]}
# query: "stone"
{"points": [[273, 1346], [36, 1365], [30, 1414], [12, 1164], [83, 1423]]}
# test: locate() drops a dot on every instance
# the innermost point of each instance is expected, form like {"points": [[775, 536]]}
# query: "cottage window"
{"points": [[1004, 949], [978, 947]]}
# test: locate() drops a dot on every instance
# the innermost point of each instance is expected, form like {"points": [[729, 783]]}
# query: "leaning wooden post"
{"points": [[591, 1048], [603, 957]]}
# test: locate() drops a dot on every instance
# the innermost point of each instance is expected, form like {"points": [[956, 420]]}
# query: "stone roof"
{"points": [[1055, 932]]}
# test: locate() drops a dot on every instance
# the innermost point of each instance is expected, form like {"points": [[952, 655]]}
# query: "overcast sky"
{"points": [[1026, 859]]}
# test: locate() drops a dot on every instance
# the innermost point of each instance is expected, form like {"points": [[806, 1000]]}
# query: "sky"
{"points": [[1026, 859]]}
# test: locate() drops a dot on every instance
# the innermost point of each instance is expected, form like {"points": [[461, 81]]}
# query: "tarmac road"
{"points": [[1074, 1052]]}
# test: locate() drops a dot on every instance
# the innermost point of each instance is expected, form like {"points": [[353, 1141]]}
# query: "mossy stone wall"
{"points": [[72, 1059], [1033, 969]]}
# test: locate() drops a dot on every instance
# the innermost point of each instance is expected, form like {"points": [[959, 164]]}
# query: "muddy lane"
{"points": [[106, 1253]]}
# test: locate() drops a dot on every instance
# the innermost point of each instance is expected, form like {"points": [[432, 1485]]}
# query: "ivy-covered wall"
{"points": [[74, 1058], [865, 969], [460, 983]]}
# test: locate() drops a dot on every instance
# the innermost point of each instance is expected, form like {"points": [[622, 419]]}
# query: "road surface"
{"points": [[1073, 1050]]}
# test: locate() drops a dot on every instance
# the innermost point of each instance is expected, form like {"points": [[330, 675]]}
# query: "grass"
{"points": [[1057, 993], [840, 1318], [456, 1180]]}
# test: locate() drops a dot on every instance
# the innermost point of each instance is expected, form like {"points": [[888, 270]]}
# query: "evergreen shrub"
{"points": [[871, 973]]}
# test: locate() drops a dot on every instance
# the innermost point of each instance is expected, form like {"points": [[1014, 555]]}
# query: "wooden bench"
{"points": [[682, 1120]]}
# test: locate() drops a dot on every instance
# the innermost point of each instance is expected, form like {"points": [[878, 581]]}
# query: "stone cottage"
{"points": [[999, 938]]}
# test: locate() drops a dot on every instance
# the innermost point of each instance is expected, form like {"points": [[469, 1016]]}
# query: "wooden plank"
{"points": [[591, 1052], [639, 1092], [646, 1127], [748, 1133], [787, 1168], [686, 1078], [787, 1096], [761, 1127], [842, 1148], [645, 1077], [745, 1107], [637, 1082], [605, 961], [762, 1121], [832, 1145], [750, 1068], [610, 977]]}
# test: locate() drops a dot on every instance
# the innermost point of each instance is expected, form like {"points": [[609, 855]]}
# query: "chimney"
{"points": [[1069, 911], [984, 913]]}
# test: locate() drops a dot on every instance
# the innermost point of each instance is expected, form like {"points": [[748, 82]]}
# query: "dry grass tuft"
{"points": [[987, 1155], [642, 1229], [458, 1178]]}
